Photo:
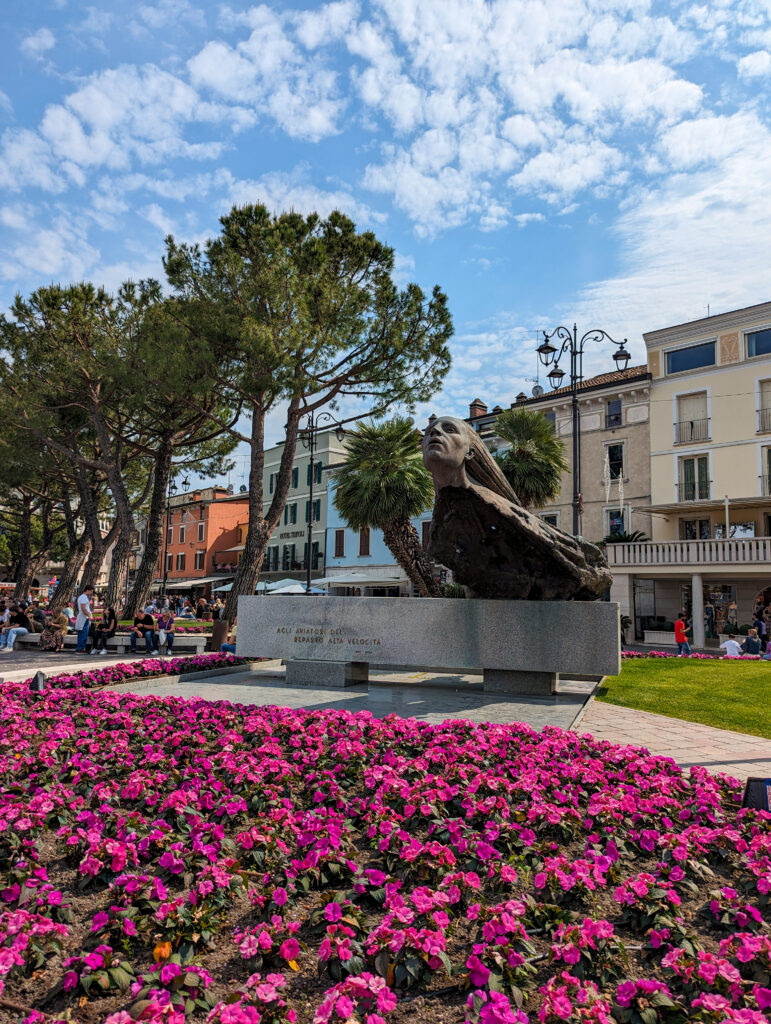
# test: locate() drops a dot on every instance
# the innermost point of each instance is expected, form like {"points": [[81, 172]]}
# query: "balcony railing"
{"points": [[692, 430], [612, 419], [689, 553], [693, 490], [764, 420]]}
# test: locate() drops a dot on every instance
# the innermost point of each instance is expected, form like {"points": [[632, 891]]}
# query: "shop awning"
{"points": [[196, 581], [237, 547], [357, 579]]}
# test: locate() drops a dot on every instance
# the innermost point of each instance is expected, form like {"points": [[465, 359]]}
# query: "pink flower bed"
{"points": [[629, 655], [165, 860], [146, 668]]}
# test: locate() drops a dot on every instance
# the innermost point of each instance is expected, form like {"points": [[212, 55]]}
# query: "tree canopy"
{"points": [[535, 459]]}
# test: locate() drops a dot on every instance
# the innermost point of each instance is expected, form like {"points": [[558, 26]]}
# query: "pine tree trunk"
{"points": [[68, 579], [143, 580], [120, 557], [261, 527], [403, 542], [24, 565], [99, 547]]}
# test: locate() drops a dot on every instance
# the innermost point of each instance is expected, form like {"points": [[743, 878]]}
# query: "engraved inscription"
{"points": [[320, 635]]}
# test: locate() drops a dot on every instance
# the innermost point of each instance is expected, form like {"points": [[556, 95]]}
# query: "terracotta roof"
{"points": [[600, 381]]}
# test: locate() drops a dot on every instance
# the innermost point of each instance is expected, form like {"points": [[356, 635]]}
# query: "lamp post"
{"points": [[550, 354], [309, 437], [171, 490]]}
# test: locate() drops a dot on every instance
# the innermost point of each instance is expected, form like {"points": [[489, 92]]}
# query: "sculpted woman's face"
{"points": [[446, 450]]}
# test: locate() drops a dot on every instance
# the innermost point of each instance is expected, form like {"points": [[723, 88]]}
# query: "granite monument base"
{"points": [[326, 675], [512, 641], [532, 684]]}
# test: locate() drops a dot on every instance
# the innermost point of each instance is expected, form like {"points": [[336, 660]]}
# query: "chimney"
{"points": [[477, 409]]}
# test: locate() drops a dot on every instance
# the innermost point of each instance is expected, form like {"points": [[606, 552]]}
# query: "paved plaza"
{"points": [[435, 698]]}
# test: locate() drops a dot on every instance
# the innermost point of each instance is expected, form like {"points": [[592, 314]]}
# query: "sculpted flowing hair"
{"points": [[482, 467]]}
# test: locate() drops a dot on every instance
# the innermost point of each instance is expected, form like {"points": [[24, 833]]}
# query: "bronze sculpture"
{"points": [[493, 545]]}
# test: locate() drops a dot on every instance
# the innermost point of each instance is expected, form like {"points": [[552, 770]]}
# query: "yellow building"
{"points": [[710, 511]]}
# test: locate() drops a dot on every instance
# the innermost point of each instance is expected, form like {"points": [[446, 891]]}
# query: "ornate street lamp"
{"points": [[172, 489], [550, 355], [309, 437]]}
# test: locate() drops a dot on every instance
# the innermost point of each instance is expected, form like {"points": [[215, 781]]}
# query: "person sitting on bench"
{"points": [[144, 625], [106, 627]]}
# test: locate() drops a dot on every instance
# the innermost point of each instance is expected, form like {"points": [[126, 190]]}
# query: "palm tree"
{"points": [[535, 462], [383, 484]]}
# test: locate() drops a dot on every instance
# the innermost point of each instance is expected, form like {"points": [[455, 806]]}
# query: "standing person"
{"points": [[200, 610], [144, 625], [105, 628], [166, 630], [731, 647], [681, 636], [83, 619], [759, 624]]}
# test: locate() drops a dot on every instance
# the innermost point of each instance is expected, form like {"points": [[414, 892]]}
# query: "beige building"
{"points": [[710, 436], [614, 450], [288, 547]]}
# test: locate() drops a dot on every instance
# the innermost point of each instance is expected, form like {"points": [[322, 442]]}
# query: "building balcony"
{"points": [[764, 421], [692, 431], [612, 419], [693, 490], [740, 554]]}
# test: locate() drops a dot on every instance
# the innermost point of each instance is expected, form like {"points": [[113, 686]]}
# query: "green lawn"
{"points": [[726, 694]]}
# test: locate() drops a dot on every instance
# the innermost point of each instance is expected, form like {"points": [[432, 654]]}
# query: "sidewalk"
{"points": [[687, 743]]}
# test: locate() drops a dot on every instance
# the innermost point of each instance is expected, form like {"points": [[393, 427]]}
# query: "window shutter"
{"points": [[272, 479], [295, 476], [765, 394], [308, 511], [308, 481]]}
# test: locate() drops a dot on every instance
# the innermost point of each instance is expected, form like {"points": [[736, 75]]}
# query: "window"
{"points": [[695, 529], [691, 358], [764, 412], [552, 518], [615, 520], [692, 422], [615, 456], [169, 535], [295, 476], [182, 535], [285, 557], [613, 413], [201, 528], [364, 542], [552, 418], [316, 510], [693, 479], [169, 562], [290, 514], [339, 543], [319, 468], [759, 343], [181, 562], [272, 482], [202, 512], [199, 557], [766, 481], [425, 533]]}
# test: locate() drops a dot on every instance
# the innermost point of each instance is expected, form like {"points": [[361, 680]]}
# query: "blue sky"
{"points": [[541, 160]]}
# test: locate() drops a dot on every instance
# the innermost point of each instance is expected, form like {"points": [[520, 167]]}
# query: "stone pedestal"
{"points": [[534, 684], [327, 675]]}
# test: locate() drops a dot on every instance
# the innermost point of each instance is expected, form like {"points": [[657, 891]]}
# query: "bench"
{"points": [[184, 643]]}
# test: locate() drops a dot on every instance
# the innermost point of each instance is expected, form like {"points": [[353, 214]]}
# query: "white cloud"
{"points": [[271, 75], [171, 12], [155, 215], [38, 44], [523, 219], [5, 103], [325, 25], [58, 251], [26, 161], [755, 65], [291, 191], [694, 240]]}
